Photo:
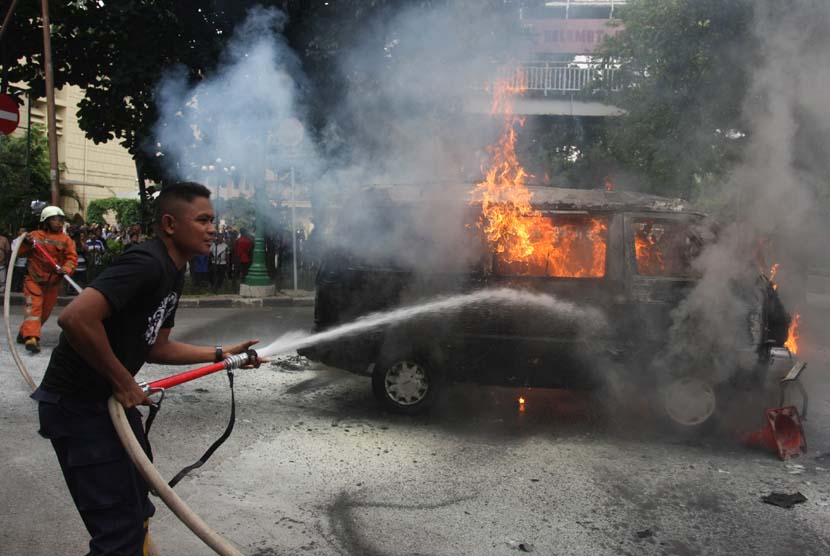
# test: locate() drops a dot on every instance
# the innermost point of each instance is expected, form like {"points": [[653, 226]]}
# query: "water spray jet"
{"points": [[591, 317]]}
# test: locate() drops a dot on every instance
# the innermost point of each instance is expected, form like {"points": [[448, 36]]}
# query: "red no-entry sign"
{"points": [[9, 114]]}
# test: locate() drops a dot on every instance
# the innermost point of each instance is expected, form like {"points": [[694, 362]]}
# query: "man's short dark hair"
{"points": [[175, 192]]}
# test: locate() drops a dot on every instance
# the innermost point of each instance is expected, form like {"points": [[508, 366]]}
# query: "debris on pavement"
{"points": [[784, 500], [645, 534], [795, 469], [289, 363], [521, 546]]}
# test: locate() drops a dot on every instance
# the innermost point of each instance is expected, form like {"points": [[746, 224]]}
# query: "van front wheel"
{"points": [[405, 385]]}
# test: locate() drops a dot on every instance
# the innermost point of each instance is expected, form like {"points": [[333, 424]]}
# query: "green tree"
{"points": [[238, 212], [21, 184], [127, 211], [685, 65]]}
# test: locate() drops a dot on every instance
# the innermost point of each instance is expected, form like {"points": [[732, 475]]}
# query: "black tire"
{"points": [[406, 384]]}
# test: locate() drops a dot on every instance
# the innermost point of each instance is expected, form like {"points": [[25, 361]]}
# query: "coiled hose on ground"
{"points": [[119, 420]]}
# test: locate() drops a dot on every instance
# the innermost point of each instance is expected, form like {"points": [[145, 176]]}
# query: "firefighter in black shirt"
{"points": [[122, 320]]}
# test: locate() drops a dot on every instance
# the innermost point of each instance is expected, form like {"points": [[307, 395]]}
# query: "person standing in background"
{"points": [[218, 262], [95, 252], [79, 237], [243, 251], [19, 264], [5, 251]]}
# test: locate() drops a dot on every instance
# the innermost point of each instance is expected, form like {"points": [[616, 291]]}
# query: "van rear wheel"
{"points": [[405, 384]]}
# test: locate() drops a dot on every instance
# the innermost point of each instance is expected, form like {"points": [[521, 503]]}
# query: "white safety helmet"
{"points": [[49, 212]]}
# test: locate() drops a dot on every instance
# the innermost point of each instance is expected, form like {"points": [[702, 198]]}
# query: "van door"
{"points": [[544, 343], [659, 250]]}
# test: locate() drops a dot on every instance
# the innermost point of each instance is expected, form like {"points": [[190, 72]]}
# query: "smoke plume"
{"points": [[400, 120], [232, 125], [773, 191]]}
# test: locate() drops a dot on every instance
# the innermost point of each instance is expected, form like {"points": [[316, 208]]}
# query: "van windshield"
{"points": [[665, 248], [561, 246]]}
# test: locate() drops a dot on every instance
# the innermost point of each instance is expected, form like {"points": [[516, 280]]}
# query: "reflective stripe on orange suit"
{"points": [[38, 303], [42, 282]]}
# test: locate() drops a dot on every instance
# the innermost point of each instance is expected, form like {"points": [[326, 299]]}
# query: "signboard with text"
{"points": [[569, 36]]}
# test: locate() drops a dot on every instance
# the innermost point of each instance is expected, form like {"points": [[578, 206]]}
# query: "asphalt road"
{"points": [[314, 467]]}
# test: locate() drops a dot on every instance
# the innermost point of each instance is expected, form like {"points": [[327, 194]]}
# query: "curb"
{"points": [[246, 302], [209, 302]]}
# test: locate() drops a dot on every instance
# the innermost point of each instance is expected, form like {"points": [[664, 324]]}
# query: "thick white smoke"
{"points": [[237, 116], [401, 120]]}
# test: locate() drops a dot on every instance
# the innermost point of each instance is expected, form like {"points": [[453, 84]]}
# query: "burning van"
{"points": [[629, 256]]}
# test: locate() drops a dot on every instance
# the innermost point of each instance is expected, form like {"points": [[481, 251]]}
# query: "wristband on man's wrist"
{"points": [[218, 354]]}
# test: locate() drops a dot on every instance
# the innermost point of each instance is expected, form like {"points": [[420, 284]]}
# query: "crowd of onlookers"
{"points": [[229, 259], [228, 262]]}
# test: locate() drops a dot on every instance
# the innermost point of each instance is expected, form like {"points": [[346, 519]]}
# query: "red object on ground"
{"points": [[9, 114], [783, 433], [186, 376]]}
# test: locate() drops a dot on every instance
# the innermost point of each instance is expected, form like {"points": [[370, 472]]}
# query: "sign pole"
{"points": [[293, 229]]}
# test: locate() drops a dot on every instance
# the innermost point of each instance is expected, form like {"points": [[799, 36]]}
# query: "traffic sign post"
{"points": [[9, 114]]}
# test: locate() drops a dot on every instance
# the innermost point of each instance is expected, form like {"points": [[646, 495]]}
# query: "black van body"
{"points": [[516, 346]]}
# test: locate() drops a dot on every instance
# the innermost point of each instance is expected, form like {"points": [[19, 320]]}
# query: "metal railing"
{"points": [[559, 77]]}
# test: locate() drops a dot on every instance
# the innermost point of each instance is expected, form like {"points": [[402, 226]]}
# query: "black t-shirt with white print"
{"points": [[143, 288]]}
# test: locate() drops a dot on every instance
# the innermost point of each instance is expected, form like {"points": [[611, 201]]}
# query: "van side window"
{"points": [[665, 248], [558, 246]]}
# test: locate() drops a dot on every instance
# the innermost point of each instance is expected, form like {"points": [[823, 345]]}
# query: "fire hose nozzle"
{"points": [[241, 359]]}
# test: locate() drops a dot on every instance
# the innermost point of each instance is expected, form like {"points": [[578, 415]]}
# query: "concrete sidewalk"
{"points": [[300, 298]]}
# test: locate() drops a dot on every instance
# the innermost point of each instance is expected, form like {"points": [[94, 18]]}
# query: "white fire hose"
{"points": [[216, 542], [6, 303]]}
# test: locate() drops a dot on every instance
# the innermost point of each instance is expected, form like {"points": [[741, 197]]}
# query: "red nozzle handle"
{"points": [[229, 363], [46, 254]]}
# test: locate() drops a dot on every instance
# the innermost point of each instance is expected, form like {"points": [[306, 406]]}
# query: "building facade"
{"points": [[90, 171]]}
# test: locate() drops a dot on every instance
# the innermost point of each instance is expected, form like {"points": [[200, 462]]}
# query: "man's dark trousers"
{"points": [[107, 489]]}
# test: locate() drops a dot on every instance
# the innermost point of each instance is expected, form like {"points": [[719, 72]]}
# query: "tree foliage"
{"points": [[238, 212], [127, 211], [20, 185], [685, 68]]}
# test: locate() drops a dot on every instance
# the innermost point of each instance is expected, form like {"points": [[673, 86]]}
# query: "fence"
{"points": [[559, 77]]}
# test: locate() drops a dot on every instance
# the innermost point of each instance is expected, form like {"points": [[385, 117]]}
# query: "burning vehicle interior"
{"points": [[629, 256]]}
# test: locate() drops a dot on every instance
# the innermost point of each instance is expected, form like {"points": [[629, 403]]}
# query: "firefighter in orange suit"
{"points": [[43, 281]]}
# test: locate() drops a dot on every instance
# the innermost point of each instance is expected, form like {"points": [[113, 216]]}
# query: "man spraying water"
{"points": [[122, 320]]}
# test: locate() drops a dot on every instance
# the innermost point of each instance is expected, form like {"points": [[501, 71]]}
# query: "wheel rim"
{"points": [[406, 383], [689, 401]]}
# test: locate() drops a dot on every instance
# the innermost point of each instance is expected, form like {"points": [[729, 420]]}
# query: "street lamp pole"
{"points": [[293, 228], [257, 283], [54, 176]]}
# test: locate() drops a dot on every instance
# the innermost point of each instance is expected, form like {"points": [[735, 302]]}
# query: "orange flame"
{"points": [[649, 255], [772, 272], [524, 240], [793, 334]]}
